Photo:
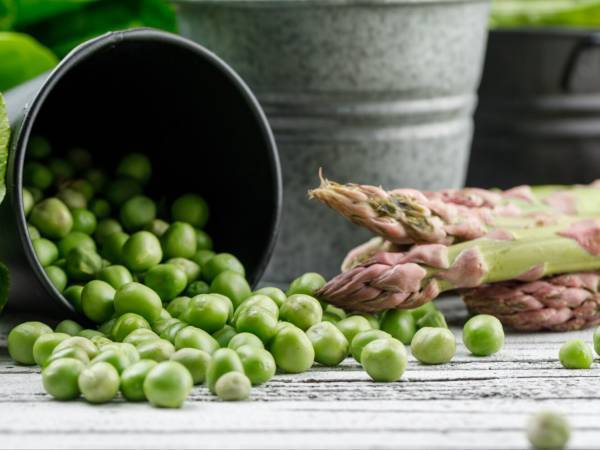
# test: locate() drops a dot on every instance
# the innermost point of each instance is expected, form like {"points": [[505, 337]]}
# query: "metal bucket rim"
{"points": [[545, 31], [87, 50], [296, 3]]}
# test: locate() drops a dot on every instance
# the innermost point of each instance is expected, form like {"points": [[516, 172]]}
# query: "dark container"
{"points": [[538, 119], [158, 93]]}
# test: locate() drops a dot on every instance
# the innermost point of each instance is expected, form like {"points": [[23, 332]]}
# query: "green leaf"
{"points": [[4, 138], [29, 12], [4, 285], [8, 14], [572, 13]]}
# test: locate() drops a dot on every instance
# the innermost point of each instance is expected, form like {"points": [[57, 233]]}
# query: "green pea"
{"points": [[84, 221], [80, 158], [233, 386], [33, 232], [432, 319], [38, 148], [157, 227], [137, 298], [97, 301], [99, 383], [302, 310], [179, 241], [73, 296], [117, 276], [112, 248], [189, 267], [329, 343], [73, 240], [433, 345], [224, 335], [353, 325], [21, 340], [83, 264], [384, 359], [195, 361], [597, 340], [196, 288], [276, 294], [120, 190], [45, 345], [223, 360], [170, 333], [548, 430], [37, 175], [168, 384], [137, 212], [105, 228], [135, 166], [106, 327], [208, 312], [258, 321], [80, 342], [242, 339], [167, 280], [190, 208], [141, 251], [483, 335], [373, 321], [70, 352], [192, 337], [69, 327], [139, 336], [201, 257], [88, 333], [232, 285], [36, 193], [576, 354], [419, 312], [363, 338], [100, 208], [52, 218], [160, 325], [96, 177], [221, 263], [259, 364], [57, 277], [114, 356], [178, 305], [292, 350], [157, 350], [72, 198], [28, 201], [259, 300], [60, 378], [45, 250], [126, 324], [61, 169], [100, 341], [132, 379], [203, 240], [307, 284], [336, 314], [400, 324]]}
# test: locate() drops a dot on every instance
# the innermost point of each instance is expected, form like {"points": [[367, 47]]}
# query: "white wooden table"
{"points": [[472, 403]]}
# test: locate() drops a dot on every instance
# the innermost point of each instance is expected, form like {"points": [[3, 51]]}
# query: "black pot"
{"points": [[538, 119], [149, 91]]}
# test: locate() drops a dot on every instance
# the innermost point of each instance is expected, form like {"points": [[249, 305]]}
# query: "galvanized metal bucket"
{"points": [[373, 91]]}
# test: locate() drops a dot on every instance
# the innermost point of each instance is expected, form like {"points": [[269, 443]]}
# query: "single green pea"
{"points": [[576, 354], [38, 148], [45, 345], [189, 267], [292, 350], [80, 342], [60, 378], [307, 284], [157, 350], [132, 379], [99, 383], [70, 352], [548, 430], [84, 221], [208, 312], [141, 251], [45, 250], [73, 240], [419, 312], [135, 166], [72, 198], [233, 386], [179, 240], [195, 361], [170, 333], [129, 350], [126, 324], [363, 338], [232, 285], [157, 227], [190, 208], [259, 364], [336, 314], [400, 324], [258, 321], [483, 335], [167, 280], [432, 319], [57, 277], [196, 288], [192, 337], [33, 232], [117, 276], [245, 339], [37, 175], [201, 257], [21, 340], [73, 296], [137, 298], [353, 325], [83, 264], [168, 384], [276, 294], [302, 310], [89, 333], [105, 228], [96, 177], [224, 335], [61, 169], [384, 359], [80, 158], [258, 300], [203, 240], [433, 345], [177, 306], [112, 248], [137, 212], [139, 336], [52, 218], [100, 208], [221, 263], [329, 343], [97, 301], [223, 360], [120, 190], [114, 356], [69, 327], [373, 320], [28, 201]]}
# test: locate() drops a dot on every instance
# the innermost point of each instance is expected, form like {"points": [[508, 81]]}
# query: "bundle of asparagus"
{"points": [[507, 252]]}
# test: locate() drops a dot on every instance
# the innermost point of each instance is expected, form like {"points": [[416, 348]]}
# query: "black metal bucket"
{"points": [[154, 92], [538, 119]]}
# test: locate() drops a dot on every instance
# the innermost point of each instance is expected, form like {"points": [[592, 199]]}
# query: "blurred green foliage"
{"points": [[564, 13]]}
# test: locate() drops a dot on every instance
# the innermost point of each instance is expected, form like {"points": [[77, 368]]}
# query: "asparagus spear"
{"points": [[561, 303], [409, 279], [405, 216]]}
